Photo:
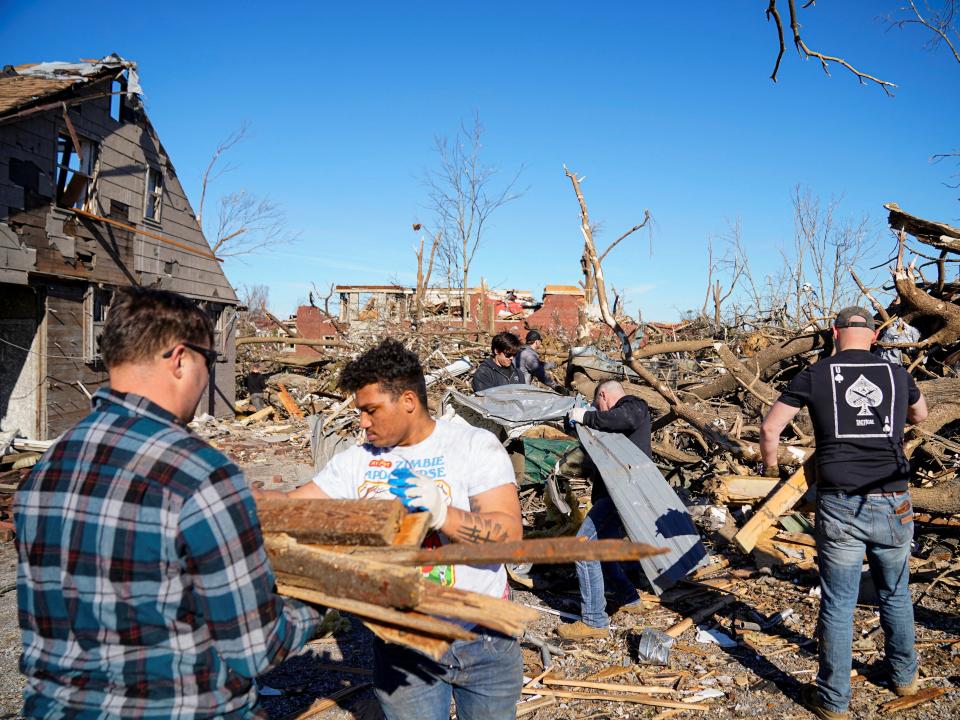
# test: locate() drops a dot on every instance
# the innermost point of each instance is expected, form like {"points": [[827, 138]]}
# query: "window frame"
{"points": [[93, 300], [156, 193], [88, 166]]}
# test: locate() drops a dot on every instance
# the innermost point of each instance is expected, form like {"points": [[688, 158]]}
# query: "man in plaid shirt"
{"points": [[142, 584]]}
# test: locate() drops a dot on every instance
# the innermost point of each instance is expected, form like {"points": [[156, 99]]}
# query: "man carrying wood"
{"points": [[620, 413], [142, 582], [859, 405], [462, 476]]}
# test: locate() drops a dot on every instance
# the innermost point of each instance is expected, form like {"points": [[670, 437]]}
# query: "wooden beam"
{"points": [[413, 621], [256, 340], [431, 646], [699, 616], [541, 551], [289, 404], [146, 233], [777, 503], [500, 615], [910, 701], [637, 698], [332, 522], [343, 576], [321, 705]]}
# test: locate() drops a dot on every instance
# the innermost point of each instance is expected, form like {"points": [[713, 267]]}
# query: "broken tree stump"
{"points": [[332, 522], [343, 576]]}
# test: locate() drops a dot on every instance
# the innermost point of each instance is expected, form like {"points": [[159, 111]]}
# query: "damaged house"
{"points": [[89, 203]]}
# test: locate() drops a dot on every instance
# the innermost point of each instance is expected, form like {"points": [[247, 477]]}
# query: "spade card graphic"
{"points": [[863, 400], [863, 394]]}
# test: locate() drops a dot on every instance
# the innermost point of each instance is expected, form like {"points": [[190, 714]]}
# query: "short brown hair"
{"points": [[505, 342], [389, 364], [142, 323]]}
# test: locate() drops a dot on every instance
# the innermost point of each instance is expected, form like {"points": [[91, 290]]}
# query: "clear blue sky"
{"points": [[660, 106]]}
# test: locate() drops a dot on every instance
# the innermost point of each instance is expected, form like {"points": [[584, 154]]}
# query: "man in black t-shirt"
{"points": [[628, 415], [859, 405]]}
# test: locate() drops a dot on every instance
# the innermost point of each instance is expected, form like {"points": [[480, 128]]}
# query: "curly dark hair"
{"points": [[390, 364]]}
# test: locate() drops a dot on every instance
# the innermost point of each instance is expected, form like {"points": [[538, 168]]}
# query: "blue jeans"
{"points": [[602, 522], [483, 676], [848, 526]]}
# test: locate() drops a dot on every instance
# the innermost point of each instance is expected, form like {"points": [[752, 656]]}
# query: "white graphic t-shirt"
{"points": [[463, 461]]}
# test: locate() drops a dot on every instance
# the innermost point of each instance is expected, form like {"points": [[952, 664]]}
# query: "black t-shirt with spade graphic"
{"points": [[858, 404]]}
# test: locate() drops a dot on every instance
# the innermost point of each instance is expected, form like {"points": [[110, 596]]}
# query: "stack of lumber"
{"points": [[363, 557]]}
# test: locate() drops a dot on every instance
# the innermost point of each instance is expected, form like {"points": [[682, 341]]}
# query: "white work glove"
{"points": [[576, 415], [418, 494]]}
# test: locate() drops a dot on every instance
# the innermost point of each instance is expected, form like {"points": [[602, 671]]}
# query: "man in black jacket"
{"points": [[498, 369], [621, 413]]}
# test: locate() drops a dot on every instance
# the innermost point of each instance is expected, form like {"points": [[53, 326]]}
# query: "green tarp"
{"points": [[540, 456]]}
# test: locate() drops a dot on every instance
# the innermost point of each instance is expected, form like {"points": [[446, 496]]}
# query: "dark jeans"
{"points": [[603, 523], [848, 526], [482, 676]]}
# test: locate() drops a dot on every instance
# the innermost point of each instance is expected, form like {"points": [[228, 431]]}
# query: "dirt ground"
{"points": [[760, 675]]}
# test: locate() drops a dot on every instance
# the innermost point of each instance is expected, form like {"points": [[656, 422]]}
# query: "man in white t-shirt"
{"points": [[464, 478]]}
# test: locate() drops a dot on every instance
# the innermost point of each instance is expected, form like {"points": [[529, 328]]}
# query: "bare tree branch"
{"points": [[209, 176], [804, 49]]}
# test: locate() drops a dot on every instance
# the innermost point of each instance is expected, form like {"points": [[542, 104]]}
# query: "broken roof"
{"points": [[25, 85]]}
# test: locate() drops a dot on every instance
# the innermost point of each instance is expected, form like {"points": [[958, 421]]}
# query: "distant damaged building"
{"points": [[89, 203]]}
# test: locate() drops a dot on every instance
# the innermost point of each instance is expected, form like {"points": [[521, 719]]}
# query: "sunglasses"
{"points": [[209, 355]]}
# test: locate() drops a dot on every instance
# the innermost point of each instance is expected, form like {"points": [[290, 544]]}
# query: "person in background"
{"points": [[859, 404], [529, 364], [142, 583], [462, 476], [256, 384], [628, 415], [498, 369]]}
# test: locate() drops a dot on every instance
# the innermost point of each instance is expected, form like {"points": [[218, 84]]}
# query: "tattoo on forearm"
{"points": [[476, 529]]}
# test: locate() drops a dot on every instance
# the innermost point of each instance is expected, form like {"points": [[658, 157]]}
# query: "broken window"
{"points": [[96, 305], [153, 200], [75, 172]]}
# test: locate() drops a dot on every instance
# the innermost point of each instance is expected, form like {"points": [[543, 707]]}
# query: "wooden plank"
{"points": [[500, 615], [910, 701], [431, 646], [636, 698], [778, 502], [289, 404], [414, 621], [321, 705], [740, 488], [621, 687], [413, 529], [342, 575], [332, 522], [543, 551]]}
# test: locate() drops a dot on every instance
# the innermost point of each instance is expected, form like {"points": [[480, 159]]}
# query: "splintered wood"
{"points": [[361, 556]]}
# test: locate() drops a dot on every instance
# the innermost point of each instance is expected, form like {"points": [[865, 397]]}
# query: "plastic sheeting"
{"points": [[511, 407], [898, 332], [649, 508]]}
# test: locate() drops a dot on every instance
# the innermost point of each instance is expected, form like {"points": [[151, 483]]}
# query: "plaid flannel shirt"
{"points": [[142, 582]]}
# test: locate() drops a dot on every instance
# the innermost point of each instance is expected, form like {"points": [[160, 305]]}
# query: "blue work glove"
{"points": [[419, 494]]}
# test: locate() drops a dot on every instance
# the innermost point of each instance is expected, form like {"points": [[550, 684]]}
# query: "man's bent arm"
{"points": [[917, 412], [252, 627], [494, 517], [773, 424]]}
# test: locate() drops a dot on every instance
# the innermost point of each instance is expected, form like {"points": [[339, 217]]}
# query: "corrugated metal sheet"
{"points": [[650, 509]]}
